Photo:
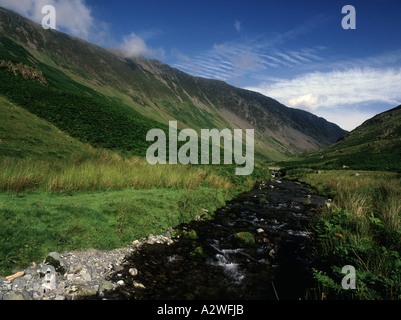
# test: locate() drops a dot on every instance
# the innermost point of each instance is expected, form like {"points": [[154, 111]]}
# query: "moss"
{"points": [[198, 252], [245, 238], [189, 235], [192, 235]]}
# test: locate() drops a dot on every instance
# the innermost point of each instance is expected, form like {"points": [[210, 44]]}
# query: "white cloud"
{"points": [[347, 87], [73, 16], [307, 102], [354, 88], [134, 46]]}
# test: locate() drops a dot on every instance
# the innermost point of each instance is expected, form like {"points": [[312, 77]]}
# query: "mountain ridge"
{"points": [[161, 92]]}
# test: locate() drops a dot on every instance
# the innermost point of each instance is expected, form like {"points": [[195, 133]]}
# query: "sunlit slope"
{"points": [[24, 135], [376, 144]]}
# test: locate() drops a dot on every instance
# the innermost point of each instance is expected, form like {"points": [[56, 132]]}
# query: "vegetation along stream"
{"points": [[253, 248]]}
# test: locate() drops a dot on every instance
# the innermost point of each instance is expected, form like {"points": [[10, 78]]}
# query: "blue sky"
{"points": [[294, 51]]}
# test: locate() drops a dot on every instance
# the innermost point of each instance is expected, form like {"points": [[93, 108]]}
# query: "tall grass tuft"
{"points": [[103, 170]]}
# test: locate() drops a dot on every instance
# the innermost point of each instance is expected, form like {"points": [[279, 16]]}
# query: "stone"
{"points": [[133, 271], [105, 286], [138, 285], [54, 259], [83, 291], [87, 277], [118, 268], [18, 283], [272, 253], [14, 296]]}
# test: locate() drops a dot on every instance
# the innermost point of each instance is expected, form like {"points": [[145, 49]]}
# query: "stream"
{"points": [[211, 261]]}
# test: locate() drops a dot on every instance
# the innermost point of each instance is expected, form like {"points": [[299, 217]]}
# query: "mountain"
{"points": [[101, 97], [376, 144]]}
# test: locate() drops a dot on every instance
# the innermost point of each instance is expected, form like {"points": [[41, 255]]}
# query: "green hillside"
{"points": [[24, 135], [90, 119], [375, 145]]}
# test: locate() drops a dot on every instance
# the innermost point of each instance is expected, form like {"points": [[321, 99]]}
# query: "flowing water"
{"points": [[218, 265]]}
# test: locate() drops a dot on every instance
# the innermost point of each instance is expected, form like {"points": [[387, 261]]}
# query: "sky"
{"points": [[294, 51]]}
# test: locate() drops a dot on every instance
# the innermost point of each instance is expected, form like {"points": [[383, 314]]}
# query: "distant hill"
{"points": [[376, 144], [100, 97]]}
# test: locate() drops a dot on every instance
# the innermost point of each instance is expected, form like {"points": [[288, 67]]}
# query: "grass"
{"points": [[34, 224], [362, 228], [101, 171], [100, 199], [24, 135]]}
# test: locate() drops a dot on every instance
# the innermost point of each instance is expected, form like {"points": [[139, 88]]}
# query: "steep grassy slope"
{"points": [[158, 91], [376, 144], [92, 120], [24, 135]]}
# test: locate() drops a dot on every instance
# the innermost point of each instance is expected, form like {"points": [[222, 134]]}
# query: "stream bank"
{"points": [[256, 247]]}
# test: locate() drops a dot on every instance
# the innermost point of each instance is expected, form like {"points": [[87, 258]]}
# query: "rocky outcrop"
{"points": [[23, 70]]}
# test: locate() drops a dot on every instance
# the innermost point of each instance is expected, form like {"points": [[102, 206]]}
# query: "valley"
{"points": [[74, 175]]}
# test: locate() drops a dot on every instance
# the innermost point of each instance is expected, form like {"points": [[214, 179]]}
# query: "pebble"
{"points": [[73, 275]]}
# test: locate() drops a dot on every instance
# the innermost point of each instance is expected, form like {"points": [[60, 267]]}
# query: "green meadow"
{"points": [[34, 224]]}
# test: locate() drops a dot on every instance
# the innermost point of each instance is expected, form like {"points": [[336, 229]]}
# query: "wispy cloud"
{"points": [[230, 61], [250, 56], [321, 92]]}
